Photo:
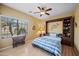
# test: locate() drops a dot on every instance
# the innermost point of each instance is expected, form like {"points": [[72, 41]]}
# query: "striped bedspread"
{"points": [[50, 44]]}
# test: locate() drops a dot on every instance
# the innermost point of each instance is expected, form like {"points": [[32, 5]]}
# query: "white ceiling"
{"points": [[57, 8]]}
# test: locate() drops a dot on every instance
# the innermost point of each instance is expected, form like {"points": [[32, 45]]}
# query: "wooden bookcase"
{"points": [[68, 31]]}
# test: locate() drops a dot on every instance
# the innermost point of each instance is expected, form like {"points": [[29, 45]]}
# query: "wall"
{"points": [[0, 8], [76, 29], [4, 10], [60, 16]]}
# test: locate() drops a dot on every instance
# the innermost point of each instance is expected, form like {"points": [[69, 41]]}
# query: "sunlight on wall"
{"points": [[76, 30]]}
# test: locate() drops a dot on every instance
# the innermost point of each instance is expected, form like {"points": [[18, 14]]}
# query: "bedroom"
{"points": [[37, 23]]}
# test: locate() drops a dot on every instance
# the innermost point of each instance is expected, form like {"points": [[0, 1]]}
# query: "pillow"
{"points": [[52, 34], [47, 34], [59, 35]]}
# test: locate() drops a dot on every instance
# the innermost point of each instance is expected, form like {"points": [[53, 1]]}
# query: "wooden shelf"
{"points": [[68, 31]]}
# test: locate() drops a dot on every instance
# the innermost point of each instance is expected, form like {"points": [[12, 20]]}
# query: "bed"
{"points": [[51, 44]]}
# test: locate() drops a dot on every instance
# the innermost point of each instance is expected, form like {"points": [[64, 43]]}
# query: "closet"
{"points": [[68, 29]]}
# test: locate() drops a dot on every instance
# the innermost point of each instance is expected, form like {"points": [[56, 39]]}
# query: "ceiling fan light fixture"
{"points": [[42, 12]]}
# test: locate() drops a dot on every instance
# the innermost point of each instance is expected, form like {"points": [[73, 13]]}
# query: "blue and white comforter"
{"points": [[49, 43]]}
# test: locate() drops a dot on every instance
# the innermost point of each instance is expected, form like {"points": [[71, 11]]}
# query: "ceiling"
{"points": [[57, 8]]}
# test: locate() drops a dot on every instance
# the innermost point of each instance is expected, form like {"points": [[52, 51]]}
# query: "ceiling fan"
{"points": [[42, 11]]}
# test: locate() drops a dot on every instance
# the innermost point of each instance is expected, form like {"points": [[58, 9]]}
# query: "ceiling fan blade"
{"points": [[43, 8], [49, 9], [30, 11], [36, 12], [47, 13], [39, 8]]}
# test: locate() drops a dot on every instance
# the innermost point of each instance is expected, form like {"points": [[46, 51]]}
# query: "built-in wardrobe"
{"points": [[67, 29], [13, 31]]}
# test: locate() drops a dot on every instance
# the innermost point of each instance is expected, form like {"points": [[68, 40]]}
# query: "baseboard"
{"points": [[76, 51], [1, 49]]}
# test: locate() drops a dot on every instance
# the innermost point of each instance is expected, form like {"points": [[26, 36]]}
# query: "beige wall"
{"points": [[76, 30], [60, 16], [0, 8], [4, 10]]}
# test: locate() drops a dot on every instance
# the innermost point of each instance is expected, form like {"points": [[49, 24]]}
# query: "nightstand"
{"points": [[42, 35]]}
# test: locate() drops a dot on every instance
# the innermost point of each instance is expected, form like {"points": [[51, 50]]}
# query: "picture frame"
{"points": [[76, 24], [33, 27]]}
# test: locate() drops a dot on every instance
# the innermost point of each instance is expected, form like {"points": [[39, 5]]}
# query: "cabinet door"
{"points": [[66, 41]]}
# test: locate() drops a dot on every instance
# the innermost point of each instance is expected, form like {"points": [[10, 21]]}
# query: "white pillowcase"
{"points": [[52, 34]]}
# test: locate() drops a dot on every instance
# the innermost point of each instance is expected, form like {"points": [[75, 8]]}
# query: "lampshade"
{"points": [[43, 32], [40, 29], [40, 32]]}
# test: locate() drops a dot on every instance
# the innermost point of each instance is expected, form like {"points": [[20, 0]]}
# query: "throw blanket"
{"points": [[49, 43]]}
